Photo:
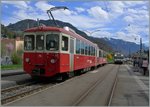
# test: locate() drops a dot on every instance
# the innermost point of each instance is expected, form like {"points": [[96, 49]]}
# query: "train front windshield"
{"points": [[29, 42], [40, 42], [118, 57], [37, 42], [52, 42]]}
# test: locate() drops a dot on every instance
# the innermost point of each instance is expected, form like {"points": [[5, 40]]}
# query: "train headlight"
{"points": [[53, 61], [27, 59]]}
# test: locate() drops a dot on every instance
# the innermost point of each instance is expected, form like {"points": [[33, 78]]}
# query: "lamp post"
{"points": [[93, 31], [140, 48]]}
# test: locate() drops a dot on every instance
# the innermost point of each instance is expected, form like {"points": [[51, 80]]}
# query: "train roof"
{"points": [[56, 29]]}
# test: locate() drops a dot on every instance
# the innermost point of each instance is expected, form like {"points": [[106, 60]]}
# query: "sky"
{"points": [[126, 20]]}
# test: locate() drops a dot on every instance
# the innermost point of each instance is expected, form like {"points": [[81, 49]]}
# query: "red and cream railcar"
{"points": [[49, 51], [101, 57]]}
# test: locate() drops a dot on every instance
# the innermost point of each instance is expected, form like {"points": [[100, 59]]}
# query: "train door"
{"points": [[71, 54]]}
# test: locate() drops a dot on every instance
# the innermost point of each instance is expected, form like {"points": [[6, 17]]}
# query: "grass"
{"points": [[11, 67]]}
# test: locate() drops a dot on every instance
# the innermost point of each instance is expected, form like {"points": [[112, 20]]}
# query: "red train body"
{"points": [[49, 51]]}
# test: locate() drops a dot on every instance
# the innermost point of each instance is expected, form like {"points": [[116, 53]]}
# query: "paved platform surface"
{"points": [[13, 77], [68, 92], [11, 72], [132, 88], [8, 81]]}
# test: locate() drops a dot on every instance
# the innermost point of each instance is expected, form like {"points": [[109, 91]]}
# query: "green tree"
{"points": [[15, 58]]}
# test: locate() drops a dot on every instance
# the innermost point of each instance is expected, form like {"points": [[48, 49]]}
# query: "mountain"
{"points": [[28, 23], [109, 45], [123, 46], [6, 32]]}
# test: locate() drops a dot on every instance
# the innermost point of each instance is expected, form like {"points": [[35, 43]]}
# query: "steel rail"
{"points": [[113, 88], [91, 88], [25, 93], [16, 87]]}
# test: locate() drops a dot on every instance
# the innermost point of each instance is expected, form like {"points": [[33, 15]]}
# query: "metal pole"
{"points": [[140, 44], [38, 22], [53, 9], [53, 19], [140, 52]]}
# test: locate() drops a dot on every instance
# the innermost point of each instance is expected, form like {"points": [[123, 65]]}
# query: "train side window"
{"points": [[77, 46], [100, 54], [64, 43], [89, 50], [94, 51], [86, 49], [104, 55], [82, 47]]}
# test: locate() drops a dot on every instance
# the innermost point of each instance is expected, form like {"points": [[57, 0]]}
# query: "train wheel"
{"points": [[62, 77], [77, 72], [71, 74], [35, 77]]}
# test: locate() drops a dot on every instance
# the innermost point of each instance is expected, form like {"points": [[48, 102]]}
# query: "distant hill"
{"points": [[28, 23], [109, 45], [124, 46], [6, 32]]}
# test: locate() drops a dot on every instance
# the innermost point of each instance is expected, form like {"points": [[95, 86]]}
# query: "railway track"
{"points": [[113, 89], [12, 94], [84, 95], [17, 92]]}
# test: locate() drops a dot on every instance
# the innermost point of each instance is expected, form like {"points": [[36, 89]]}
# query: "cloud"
{"points": [[129, 19], [134, 3], [18, 4], [108, 17], [80, 9], [130, 37], [116, 7], [102, 34], [137, 16], [43, 5], [98, 13]]}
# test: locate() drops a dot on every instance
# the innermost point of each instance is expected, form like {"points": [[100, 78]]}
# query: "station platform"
{"points": [[11, 72], [132, 88], [13, 77], [71, 90]]}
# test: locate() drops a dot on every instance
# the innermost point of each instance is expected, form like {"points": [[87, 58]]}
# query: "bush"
{"points": [[15, 58]]}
